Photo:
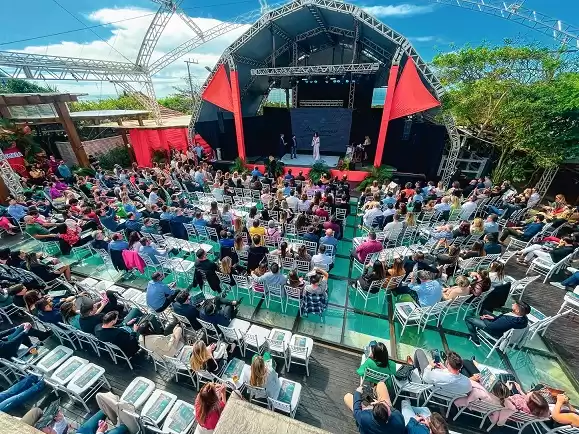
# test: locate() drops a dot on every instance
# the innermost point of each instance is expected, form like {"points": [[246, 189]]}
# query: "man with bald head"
{"points": [[329, 239]]}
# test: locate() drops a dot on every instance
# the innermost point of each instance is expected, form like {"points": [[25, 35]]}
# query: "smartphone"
{"points": [[436, 356]]}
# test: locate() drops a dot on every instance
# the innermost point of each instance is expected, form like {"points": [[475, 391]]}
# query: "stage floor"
{"points": [[306, 160]]}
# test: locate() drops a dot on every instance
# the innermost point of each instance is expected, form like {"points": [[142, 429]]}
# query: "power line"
{"points": [[92, 31], [64, 32]]}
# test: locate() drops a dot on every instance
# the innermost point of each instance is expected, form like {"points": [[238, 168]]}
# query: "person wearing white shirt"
{"points": [[468, 208], [292, 201], [153, 196], [447, 377], [322, 258], [395, 226], [534, 199], [371, 214], [393, 187]]}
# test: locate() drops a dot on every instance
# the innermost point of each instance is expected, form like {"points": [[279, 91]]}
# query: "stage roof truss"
{"points": [[287, 71]]}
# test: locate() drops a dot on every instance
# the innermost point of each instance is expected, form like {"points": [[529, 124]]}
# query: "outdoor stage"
{"points": [[307, 160]]}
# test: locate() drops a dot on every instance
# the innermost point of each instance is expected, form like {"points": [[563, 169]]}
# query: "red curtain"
{"points": [[218, 91], [144, 142], [411, 96]]}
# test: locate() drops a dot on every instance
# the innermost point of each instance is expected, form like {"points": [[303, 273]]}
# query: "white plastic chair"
{"points": [[409, 313]]}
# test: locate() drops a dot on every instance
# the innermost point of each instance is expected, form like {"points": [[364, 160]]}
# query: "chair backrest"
{"points": [[298, 350], [437, 308], [208, 326], [277, 346], [288, 263], [229, 333], [278, 405], [375, 375], [293, 293], [223, 278], [311, 247], [183, 320], [376, 284], [256, 392], [303, 266], [241, 281], [274, 290], [519, 286]]}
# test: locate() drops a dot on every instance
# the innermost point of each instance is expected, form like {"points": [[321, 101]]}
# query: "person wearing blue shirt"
{"points": [[329, 239], [107, 219], [132, 223], [380, 418], [166, 214], [150, 251], [492, 246], [490, 225], [199, 220], [199, 178], [256, 172], [16, 210], [288, 176], [311, 236], [389, 199], [286, 189], [64, 170], [525, 232], [426, 293], [118, 243], [159, 294]]}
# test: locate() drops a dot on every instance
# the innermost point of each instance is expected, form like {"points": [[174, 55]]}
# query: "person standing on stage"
{"points": [[366, 143], [282, 145], [316, 146], [294, 147]]}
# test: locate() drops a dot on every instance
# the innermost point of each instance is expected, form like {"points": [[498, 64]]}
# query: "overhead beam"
{"points": [[155, 30], [357, 68], [321, 23]]}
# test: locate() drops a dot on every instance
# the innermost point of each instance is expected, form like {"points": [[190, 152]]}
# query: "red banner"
{"points": [[16, 160]]}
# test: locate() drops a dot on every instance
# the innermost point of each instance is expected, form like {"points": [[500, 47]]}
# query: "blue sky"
{"points": [[431, 28]]}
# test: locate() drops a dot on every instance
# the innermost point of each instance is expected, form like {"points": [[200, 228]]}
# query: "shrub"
{"points": [[380, 174], [119, 155], [319, 169]]}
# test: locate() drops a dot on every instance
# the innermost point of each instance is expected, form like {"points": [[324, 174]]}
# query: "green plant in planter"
{"points": [[238, 166], [278, 167], [84, 171], [317, 170], [380, 174]]}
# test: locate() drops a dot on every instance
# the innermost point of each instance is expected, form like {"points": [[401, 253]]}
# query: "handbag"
{"points": [[404, 373]]}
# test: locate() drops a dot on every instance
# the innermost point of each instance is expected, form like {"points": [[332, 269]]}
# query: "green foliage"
{"points": [[123, 102], [238, 166], [84, 171], [344, 163], [119, 155], [159, 156], [278, 167], [178, 102], [317, 170], [22, 136], [521, 104], [380, 174], [15, 85]]}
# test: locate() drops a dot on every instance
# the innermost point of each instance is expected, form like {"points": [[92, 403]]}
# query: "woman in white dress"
{"points": [[316, 146]]}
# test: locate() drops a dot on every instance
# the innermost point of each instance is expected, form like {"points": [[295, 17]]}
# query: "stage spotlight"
{"points": [[354, 81], [315, 81], [347, 81]]}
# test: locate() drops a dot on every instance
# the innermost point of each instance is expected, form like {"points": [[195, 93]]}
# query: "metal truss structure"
{"points": [[10, 177], [321, 103], [298, 71], [546, 180]]}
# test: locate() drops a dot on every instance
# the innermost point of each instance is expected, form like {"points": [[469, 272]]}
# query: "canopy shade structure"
{"points": [[311, 33]]}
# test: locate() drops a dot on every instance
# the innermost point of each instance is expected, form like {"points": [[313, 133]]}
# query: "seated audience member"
{"points": [[159, 344], [315, 294], [310, 235], [12, 338], [262, 374], [203, 264], [99, 242], [118, 243], [448, 261], [461, 287], [182, 306], [256, 253], [416, 263], [209, 404], [378, 418], [367, 247], [272, 277], [392, 229], [525, 232], [147, 248], [497, 273], [476, 251], [322, 258], [24, 390], [447, 376], [491, 244], [329, 238], [426, 293], [44, 271], [377, 360], [532, 403], [257, 231], [565, 418], [159, 294], [121, 337], [477, 227], [551, 256], [480, 282], [47, 312], [208, 358], [91, 315], [372, 273], [219, 310], [420, 420], [490, 225], [373, 217], [569, 283], [499, 325]]}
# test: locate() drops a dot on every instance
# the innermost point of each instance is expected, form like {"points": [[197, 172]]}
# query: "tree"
{"points": [[16, 85], [122, 102], [520, 102]]}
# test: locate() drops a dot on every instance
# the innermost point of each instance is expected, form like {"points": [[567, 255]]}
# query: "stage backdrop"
{"points": [[332, 124]]}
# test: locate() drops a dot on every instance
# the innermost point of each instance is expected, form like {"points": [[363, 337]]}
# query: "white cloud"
{"points": [[126, 39], [421, 38], [401, 10]]}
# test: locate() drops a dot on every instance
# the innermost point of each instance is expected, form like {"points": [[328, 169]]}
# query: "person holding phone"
{"points": [[11, 339], [209, 405], [560, 416], [445, 375]]}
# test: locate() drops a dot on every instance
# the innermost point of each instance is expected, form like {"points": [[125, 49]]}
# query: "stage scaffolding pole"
{"points": [[295, 63]]}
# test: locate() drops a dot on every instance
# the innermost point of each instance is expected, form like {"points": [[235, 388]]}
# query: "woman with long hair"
{"points": [[204, 358], [283, 251], [476, 251], [301, 222], [70, 314], [497, 273], [294, 280], [239, 244], [304, 203], [454, 203], [134, 241], [378, 360], [477, 227], [303, 254], [316, 146], [43, 271], [30, 299], [209, 404], [371, 274], [238, 226], [251, 217], [261, 374], [410, 220]]}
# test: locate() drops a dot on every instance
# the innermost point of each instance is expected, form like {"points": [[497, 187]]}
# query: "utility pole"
{"points": [[194, 62]]}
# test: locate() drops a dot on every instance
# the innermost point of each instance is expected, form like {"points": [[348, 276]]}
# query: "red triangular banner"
{"points": [[410, 95], [218, 91]]}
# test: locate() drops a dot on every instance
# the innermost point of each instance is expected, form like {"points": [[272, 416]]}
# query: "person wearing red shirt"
{"points": [[371, 245], [209, 405], [408, 190], [321, 212]]}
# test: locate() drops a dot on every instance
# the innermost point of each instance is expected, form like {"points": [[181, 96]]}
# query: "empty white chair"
{"points": [[409, 313], [300, 350], [288, 398]]}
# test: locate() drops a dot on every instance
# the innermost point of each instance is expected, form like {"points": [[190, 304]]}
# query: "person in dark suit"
{"points": [[294, 147], [497, 326], [282, 145], [182, 306]]}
